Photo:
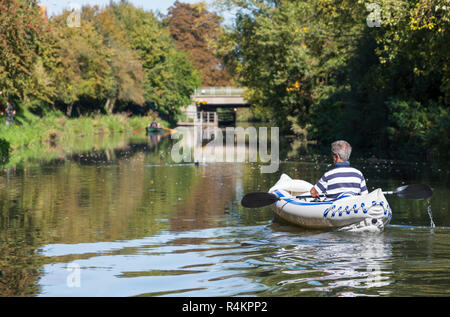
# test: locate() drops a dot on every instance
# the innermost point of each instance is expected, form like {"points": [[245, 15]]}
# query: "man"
{"points": [[2, 111], [342, 179], [154, 124], [10, 113]]}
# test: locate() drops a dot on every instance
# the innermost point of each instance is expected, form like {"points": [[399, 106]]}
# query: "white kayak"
{"points": [[369, 212]]}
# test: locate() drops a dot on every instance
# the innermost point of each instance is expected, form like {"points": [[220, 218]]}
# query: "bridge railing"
{"points": [[219, 91], [207, 118]]}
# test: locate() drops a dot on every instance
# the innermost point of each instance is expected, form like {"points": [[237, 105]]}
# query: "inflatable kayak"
{"points": [[347, 212]]}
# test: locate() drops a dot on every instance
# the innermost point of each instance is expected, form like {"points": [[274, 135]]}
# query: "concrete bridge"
{"points": [[206, 101], [211, 98]]}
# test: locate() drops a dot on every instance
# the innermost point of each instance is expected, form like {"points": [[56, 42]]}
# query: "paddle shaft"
{"points": [[168, 129], [261, 199], [309, 196], [385, 193]]}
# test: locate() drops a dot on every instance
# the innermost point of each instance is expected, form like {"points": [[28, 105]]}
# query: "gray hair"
{"points": [[343, 148]]}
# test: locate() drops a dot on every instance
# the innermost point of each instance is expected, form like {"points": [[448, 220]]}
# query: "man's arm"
{"points": [[319, 188], [363, 187], [314, 192]]}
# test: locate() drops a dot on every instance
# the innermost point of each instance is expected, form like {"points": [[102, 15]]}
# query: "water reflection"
{"points": [[75, 198], [328, 263], [135, 223], [231, 145], [197, 263], [19, 269]]}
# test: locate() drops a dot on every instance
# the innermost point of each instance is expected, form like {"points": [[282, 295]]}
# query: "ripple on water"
{"points": [[249, 260]]}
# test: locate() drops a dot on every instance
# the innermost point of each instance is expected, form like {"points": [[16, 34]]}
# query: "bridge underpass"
{"points": [[218, 102]]}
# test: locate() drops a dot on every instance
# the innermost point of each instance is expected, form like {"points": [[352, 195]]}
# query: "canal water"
{"points": [[124, 219]]}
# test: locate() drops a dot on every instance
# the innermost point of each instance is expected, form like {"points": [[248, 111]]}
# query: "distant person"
{"points": [[342, 179], [2, 111], [154, 124], [10, 113]]}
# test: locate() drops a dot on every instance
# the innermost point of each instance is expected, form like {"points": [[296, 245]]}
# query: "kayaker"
{"points": [[154, 124], [342, 179]]}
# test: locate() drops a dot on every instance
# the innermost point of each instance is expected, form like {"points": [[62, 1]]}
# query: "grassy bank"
{"points": [[31, 135]]}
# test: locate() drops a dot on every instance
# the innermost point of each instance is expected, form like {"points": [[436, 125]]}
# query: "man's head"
{"points": [[341, 148]]}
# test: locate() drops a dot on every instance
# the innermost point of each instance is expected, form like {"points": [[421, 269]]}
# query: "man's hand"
{"points": [[314, 193]]}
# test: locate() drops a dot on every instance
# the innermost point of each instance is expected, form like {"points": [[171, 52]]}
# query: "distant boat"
{"points": [[152, 131]]}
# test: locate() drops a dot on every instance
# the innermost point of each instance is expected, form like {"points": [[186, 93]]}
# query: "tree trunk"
{"points": [[110, 102], [69, 110], [78, 111]]}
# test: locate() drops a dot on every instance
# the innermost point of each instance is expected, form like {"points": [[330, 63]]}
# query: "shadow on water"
{"points": [[126, 220]]}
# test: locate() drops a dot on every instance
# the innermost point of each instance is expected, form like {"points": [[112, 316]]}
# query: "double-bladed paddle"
{"points": [[167, 129], [414, 191]]}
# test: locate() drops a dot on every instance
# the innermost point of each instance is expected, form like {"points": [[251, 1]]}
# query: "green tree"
{"points": [[373, 74], [97, 63], [25, 58], [127, 70], [84, 68], [169, 78], [287, 52]]}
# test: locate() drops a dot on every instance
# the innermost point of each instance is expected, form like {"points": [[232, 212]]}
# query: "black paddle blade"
{"points": [[257, 200], [414, 191]]}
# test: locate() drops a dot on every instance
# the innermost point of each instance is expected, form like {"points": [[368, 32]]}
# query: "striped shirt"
{"points": [[341, 179]]}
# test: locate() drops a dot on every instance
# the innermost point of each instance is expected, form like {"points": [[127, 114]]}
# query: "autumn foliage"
{"points": [[116, 57], [197, 31]]}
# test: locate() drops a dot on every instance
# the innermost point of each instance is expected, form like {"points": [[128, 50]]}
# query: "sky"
{"points": [[57, 6]]}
